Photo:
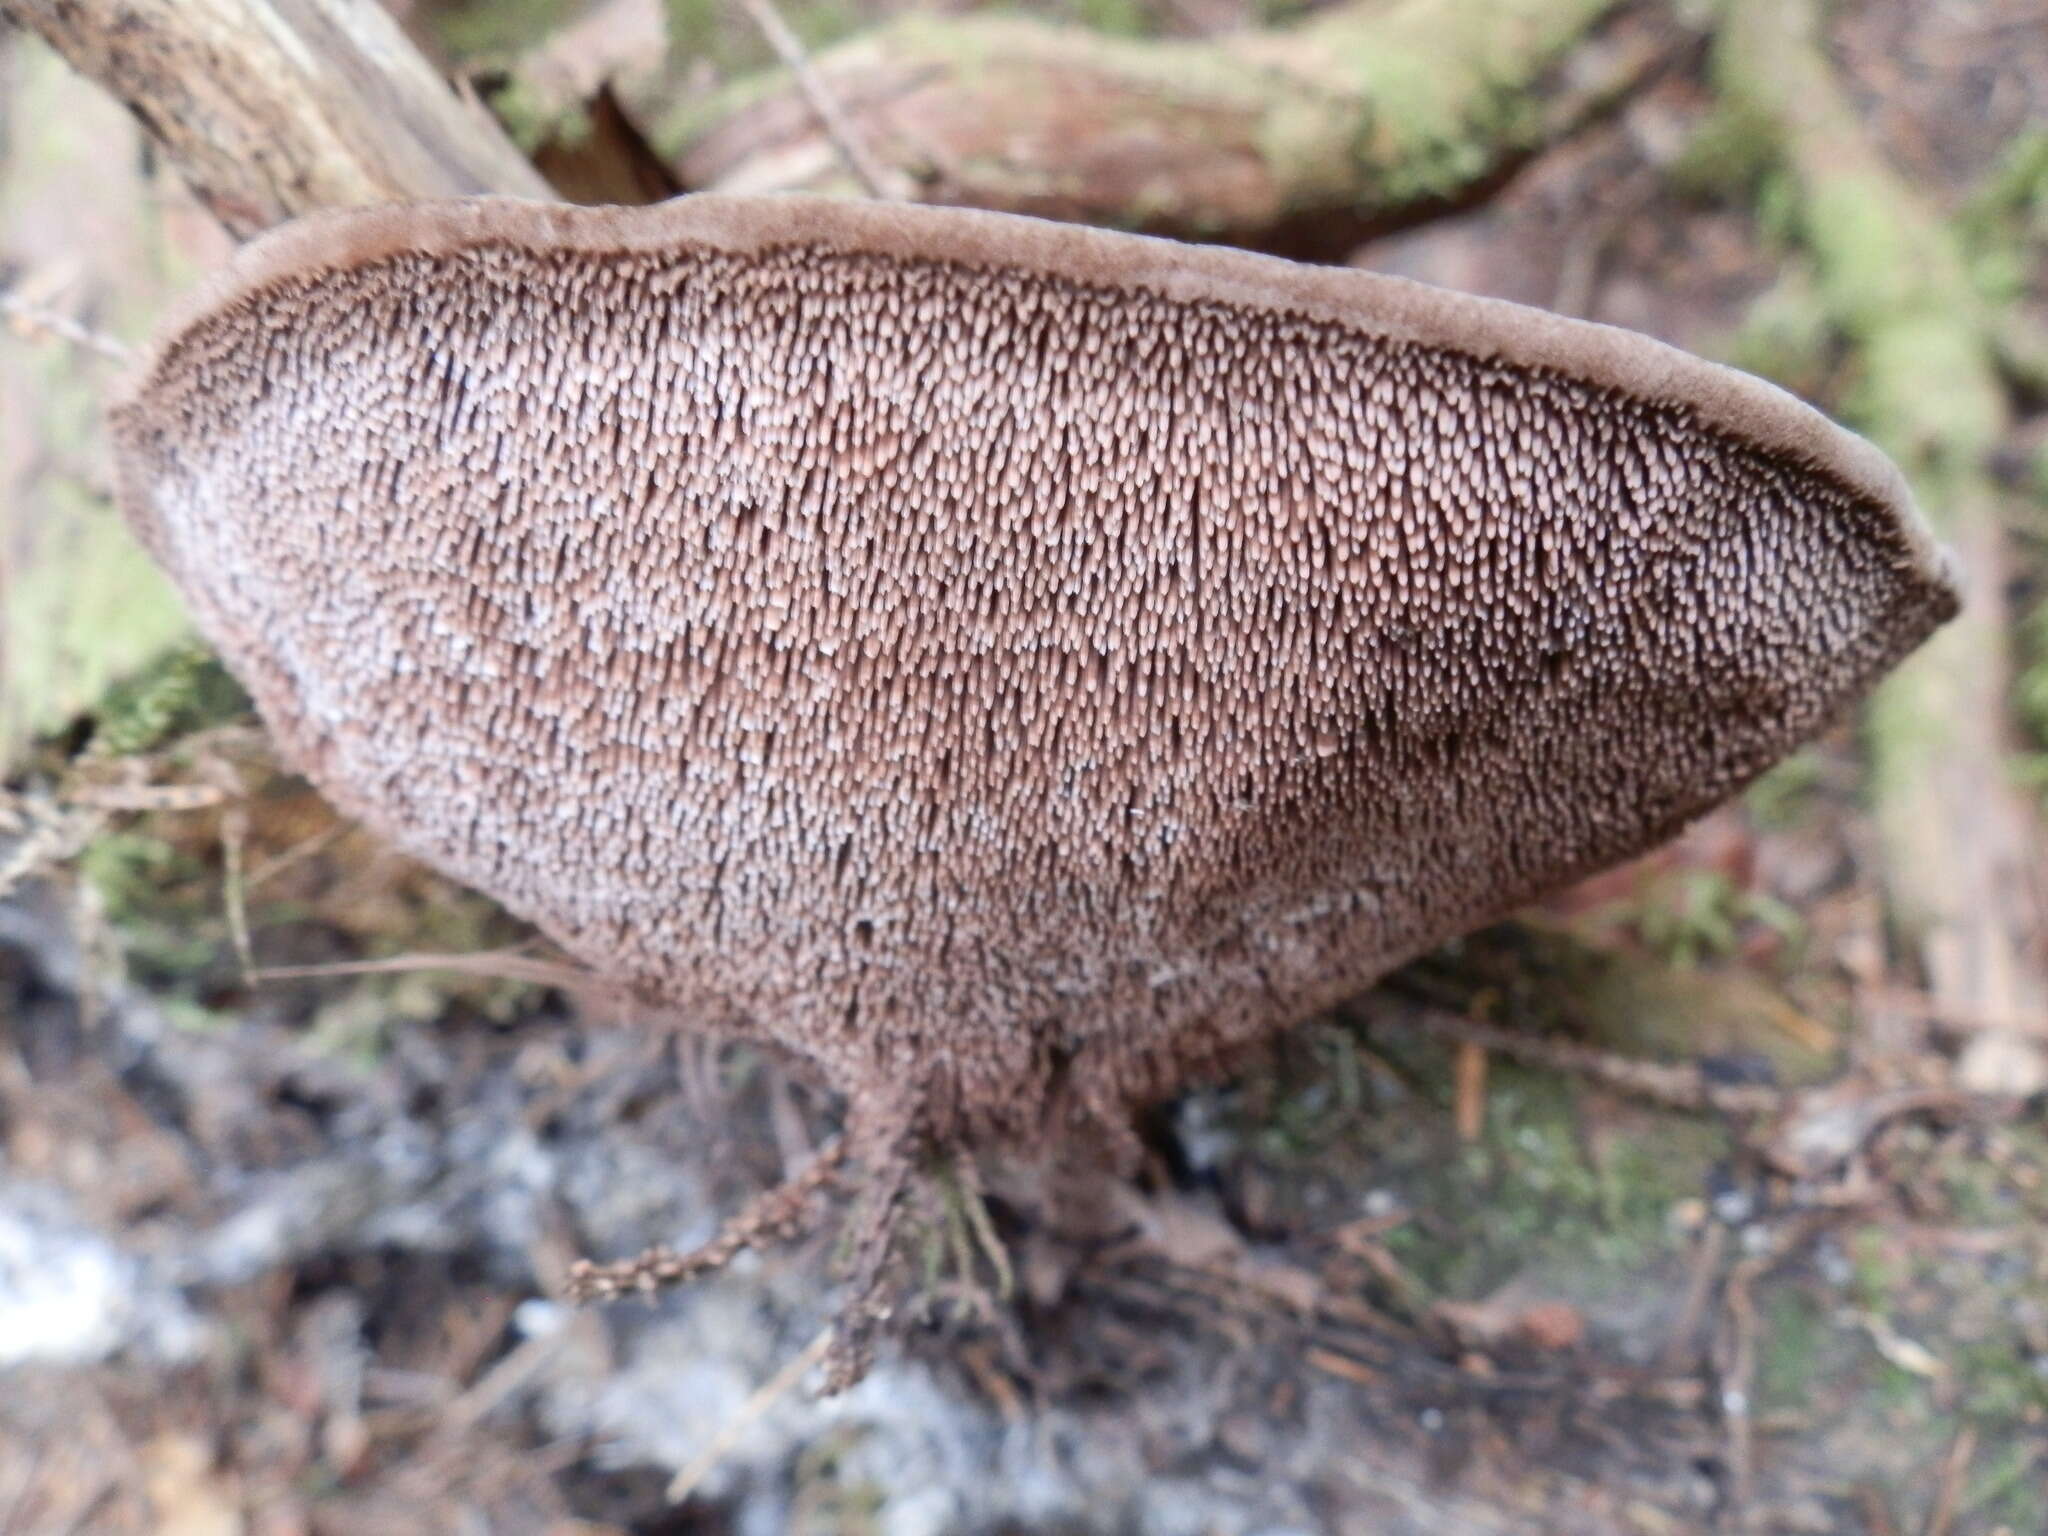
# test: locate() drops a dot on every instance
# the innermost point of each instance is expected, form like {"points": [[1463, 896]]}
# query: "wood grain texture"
{"points": [[274, 108]]}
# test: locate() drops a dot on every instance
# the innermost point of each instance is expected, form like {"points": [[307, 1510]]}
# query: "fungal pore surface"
{"points": [[1012, 666]]}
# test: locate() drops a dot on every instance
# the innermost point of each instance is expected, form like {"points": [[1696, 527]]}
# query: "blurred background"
{"points": [[1711, 1195]]}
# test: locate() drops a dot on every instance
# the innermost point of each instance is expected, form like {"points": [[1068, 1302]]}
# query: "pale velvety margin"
{"points": [[1745, 407]]}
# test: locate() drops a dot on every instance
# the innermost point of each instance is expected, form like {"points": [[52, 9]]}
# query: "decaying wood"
{"points": [[274, 108], [1959, 841], [1294, 138]]}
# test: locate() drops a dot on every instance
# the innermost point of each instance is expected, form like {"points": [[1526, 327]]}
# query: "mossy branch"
{"points": [[1364, 115], [1891, 275]]}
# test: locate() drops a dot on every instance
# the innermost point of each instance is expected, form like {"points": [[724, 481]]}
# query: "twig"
{"points": [[1738, 1379], [764, 1397], [1949, 1497], [108, 1488], [17, 1501], [1735, 1362], [496, 964], [30, 317], [234, 842], [146, 797], [1335, 1363], [979, 1358], [298, 853], [1699, 1285], [975, 1202], [790, 49], [1672, 1086], [1471, 1090], [1876, 1513], [503, 1379]]}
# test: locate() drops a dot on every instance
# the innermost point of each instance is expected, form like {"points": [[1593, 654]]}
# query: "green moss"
{"points": [[1398, 105], [1793, 1334], [1115, 18], [1873, 266], [158, 900], [1444, 86], [1269, 13], [1927, 394], [2030, 691], [185, 689], [1781, 799], [485, 29], [1787, 336], [2008, 1489], [1875, 1274], [80, 603], [830, 1495], [2000, 1384], [531, 119], [1698, 918], [83, 606], [1318, 1104], [1528, 1196], [1728, 156], [695, 29], [2010, 209]]}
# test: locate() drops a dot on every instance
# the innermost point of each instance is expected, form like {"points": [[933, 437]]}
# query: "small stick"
{"points": [[764, 1397], [1673, 1087], [1699, 1285], [974, 1199], [234, 841], [1471, 1098], [146, 797], [1738, 1381], [300, 851], [30, 317], [497, 965], [1948, 1499], [791, 51], [1334, 1363]]}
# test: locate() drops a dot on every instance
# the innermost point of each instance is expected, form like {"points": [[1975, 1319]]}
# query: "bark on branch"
{"points": [[273, 108], [1297, 138]]}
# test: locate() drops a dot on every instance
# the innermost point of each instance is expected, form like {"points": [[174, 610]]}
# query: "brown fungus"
{"points": [[1011, 665]]}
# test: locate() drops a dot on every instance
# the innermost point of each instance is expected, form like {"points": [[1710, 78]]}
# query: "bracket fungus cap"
{"points": [[1008, 663]]}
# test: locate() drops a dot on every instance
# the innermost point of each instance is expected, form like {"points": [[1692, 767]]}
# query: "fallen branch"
{"points": [[1966, 892], [274, 108], [1296, 137]]}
